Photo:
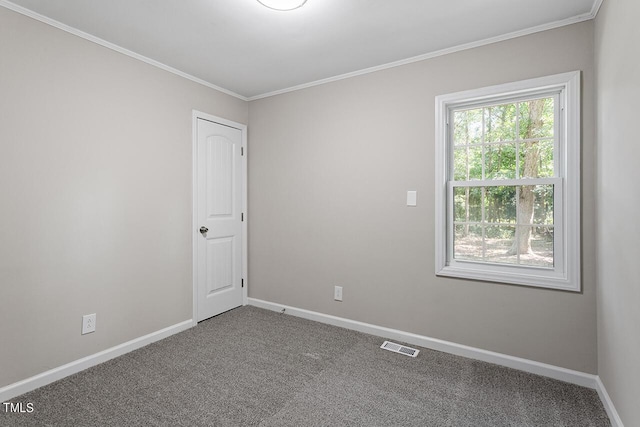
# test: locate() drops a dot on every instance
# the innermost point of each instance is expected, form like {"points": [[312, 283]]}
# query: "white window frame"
{"points": [[565, 274]]}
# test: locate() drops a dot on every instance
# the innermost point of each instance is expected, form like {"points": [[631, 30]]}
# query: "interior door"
{"points": [[219, 218]]}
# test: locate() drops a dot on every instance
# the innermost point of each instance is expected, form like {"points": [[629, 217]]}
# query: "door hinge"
{"points": [[242, 281], [242, 216], [242, 151]]}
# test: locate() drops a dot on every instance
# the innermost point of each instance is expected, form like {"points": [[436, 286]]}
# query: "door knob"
{"points": [[203, 230]]}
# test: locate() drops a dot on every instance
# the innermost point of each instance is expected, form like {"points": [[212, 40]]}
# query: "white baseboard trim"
{"points": [[526, 365], [29, 384], [614, 417]]}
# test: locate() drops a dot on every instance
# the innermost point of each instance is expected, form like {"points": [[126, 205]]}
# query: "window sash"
{"points": [[558, 213], [558, 130]]}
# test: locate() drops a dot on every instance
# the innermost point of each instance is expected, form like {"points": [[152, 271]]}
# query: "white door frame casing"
{"points": [[195, 233]]}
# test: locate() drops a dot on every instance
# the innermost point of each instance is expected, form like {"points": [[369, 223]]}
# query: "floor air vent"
{"points": [[402, 349]]}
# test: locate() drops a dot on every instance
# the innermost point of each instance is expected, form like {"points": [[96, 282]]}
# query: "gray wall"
{"points": [[618, 70], [95, 193], [329, 168]]}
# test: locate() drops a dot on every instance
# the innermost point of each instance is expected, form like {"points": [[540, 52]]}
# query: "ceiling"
{"points": [[251, 51]]}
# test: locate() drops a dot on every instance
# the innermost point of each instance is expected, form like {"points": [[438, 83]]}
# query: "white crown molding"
{"points": [[16, 389], [31, 14], [442, 52], [526, 365], [596, 8]]}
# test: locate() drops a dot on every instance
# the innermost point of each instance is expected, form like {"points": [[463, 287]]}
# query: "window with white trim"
{"points": [[508, 183]]}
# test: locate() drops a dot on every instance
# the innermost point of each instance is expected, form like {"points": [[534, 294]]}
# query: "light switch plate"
{"points": [[412, 198]]}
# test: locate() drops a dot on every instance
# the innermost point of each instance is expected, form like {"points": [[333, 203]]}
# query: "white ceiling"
{"points": [[251, 51]]}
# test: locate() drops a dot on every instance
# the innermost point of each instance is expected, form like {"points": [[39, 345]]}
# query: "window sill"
{"points": [[535, 277]]}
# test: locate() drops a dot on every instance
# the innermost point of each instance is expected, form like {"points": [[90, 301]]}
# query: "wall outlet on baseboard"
{"points": [[88, 323], [337, 293]]}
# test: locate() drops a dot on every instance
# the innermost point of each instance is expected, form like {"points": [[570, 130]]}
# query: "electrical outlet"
{"points": [[337, 293], [88, 323]]}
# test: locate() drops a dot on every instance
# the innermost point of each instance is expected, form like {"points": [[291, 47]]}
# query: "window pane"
{"points": [[467, 127], [475, 204], [500, 123], [475, 162], [467, 163], [536, 118], [460, 164], [460, 204], [500, 161], [543, 206], [467, 204], [535, 204], [539, 249], [499, 241], [500, 205], [467, 242], [536, 159]]}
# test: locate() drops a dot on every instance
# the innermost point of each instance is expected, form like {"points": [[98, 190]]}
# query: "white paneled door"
{"points": [[219, 216]]}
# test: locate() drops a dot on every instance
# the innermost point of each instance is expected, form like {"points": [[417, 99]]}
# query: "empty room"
{"points": [[319, 213]]}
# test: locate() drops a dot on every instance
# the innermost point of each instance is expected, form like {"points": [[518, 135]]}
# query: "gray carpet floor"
{"points": [[253, 367]]}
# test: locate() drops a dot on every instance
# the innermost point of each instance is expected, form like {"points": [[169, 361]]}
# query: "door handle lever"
{"points": [[203, 230]]}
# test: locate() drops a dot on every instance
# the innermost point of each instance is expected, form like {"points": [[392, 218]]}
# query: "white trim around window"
{"points": [[565, 273]]}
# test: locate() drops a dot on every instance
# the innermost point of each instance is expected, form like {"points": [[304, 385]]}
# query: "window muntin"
{"points": [[509, 183]]}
